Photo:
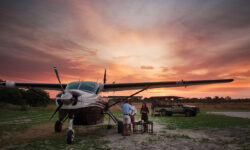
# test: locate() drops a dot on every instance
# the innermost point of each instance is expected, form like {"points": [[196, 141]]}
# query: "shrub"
{"points": [[36, 97], [11, 95]]}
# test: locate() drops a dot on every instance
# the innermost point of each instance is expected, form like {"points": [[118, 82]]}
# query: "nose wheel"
{"points": [[70, 132], [70, 136]]}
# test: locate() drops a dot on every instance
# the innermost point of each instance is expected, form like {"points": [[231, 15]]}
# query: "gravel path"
{"points": [[233, 114]]}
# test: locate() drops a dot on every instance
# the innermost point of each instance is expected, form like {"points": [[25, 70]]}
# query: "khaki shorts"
{"points": [[126, 119]]}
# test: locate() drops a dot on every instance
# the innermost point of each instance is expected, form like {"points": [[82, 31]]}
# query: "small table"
{"points": [[139, 127], [149, 127]]}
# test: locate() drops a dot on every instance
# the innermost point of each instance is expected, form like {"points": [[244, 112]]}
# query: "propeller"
{"points": [[57, 109], [60, 103]]}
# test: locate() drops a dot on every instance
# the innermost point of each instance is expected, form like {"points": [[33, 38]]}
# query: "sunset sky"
{"points": [[135, 40]]}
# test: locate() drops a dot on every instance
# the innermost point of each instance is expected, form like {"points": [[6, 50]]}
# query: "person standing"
{"points": [[126, 110], [144, 115], [132, 113]]}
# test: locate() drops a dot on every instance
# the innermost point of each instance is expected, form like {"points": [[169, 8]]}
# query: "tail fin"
{"points": [[104, 78]]}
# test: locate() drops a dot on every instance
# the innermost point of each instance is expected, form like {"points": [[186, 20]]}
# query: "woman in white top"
{"points": [[132, 113]]}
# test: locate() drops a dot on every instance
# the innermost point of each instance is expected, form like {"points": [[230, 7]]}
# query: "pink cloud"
{"points": [[147, 67]]}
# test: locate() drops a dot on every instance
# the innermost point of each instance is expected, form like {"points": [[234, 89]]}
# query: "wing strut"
{"points": [[129, 96]]}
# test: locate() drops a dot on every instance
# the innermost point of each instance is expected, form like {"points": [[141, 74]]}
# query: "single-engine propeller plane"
{"points": [[80, 103]]}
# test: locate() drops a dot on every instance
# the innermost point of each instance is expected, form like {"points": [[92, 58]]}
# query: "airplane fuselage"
{"points": [[88, 108]]}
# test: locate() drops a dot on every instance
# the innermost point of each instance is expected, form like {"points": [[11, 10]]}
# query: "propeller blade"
{"points": [[58, 78], [57, 109], [104, 78]]}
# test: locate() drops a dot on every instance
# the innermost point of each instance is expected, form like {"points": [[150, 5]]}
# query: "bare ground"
{"points": [[163, 138]]}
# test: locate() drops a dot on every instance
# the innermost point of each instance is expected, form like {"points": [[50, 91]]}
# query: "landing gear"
{"points": [[70, 136], [109, 126], [62, 118], [71, 132], [120, 126], [58, 126]]}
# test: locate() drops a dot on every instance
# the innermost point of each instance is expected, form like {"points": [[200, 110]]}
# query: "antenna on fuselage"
{"points": [[79, 84], [104, 78]]}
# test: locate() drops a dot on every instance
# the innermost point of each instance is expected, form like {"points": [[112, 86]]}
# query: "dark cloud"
{"points": [[31, 63]]}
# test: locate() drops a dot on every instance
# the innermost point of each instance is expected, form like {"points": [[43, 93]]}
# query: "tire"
{"points": [[194, 114], [70, 137], [58, 126], [120, 126], [187, 113], [163, 113], [109, 126], [169, 114]]}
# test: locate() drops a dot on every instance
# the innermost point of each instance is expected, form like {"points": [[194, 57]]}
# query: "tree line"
{"points": [[215, 99], [32, 97]]}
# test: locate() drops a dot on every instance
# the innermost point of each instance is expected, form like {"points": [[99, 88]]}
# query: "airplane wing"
{"points": [[45, 86], [149, 85]]}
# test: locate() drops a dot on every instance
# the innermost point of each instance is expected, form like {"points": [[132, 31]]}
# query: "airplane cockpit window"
{"points": [[84, 86]]}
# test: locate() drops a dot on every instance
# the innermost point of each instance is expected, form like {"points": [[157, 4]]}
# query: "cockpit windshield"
{"points": [[92, 87]]}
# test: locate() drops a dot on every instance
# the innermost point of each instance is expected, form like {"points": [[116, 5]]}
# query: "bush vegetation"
{"points": [[31, 97]]}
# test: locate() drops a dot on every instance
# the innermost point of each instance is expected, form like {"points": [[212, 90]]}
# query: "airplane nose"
{"points": [[66, 98]]}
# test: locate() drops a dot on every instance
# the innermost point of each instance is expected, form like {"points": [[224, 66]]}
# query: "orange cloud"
{"points": [[147, 67]]}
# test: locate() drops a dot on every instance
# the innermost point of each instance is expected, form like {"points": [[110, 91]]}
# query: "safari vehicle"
{"points": [[168, 109]]}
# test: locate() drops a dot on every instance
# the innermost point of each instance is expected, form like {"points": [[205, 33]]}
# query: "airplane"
{"points": [[81, 104]]}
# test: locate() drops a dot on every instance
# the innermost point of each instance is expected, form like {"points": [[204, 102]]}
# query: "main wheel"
{"points": [[58, 126], [70, 137], [163, 113], [169, 114], [120, 126], [109, 126]]}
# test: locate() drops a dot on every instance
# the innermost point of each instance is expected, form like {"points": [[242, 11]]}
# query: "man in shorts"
{"points": [[126, 109]]}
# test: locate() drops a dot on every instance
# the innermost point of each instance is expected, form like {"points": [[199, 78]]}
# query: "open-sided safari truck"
{"points": [[166, 106]]}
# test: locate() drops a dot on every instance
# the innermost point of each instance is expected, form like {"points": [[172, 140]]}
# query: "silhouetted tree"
{"points": [[11, 95], [216, 98], [208, 98], [228, 98], [36, 97]]}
